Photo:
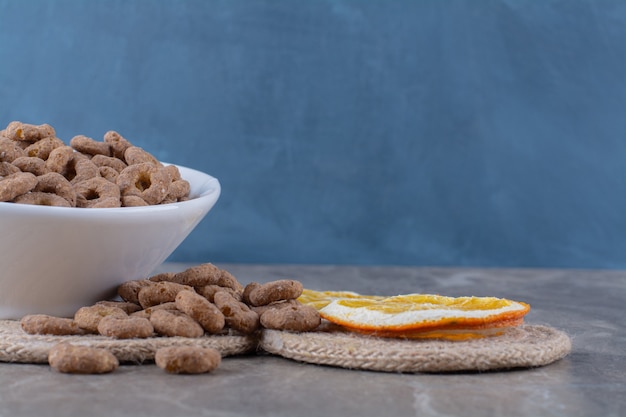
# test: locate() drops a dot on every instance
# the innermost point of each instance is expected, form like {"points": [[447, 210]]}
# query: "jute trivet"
{"points": [[17, 346], [521, 347]]}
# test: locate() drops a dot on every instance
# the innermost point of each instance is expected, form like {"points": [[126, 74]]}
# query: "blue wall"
{"points": [[476, 132]]}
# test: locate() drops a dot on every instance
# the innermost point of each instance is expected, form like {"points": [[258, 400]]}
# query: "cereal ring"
{"points": [[144, 180], [124, 305], [88, 317], [125, 327], [31, 164], [291, 316], [117, 144], [96, 193], [283, 289], [187, 359], [88, 146], [135, 155], [109, 174], [201, 310], [133, 201], [65, 161], [245, 296], [159, 292], [14, 185], [55, 183], [148, 311], [163, 276], [173, 172], [68, 358], [28, 132], [83, 170], [208, 292], [45, 324], [42, 148], [129, 290], [177, 190], [7, 168], [175, 323], [237, 314], [207, 274], [9, 150], [109, 161], [38, 198]]}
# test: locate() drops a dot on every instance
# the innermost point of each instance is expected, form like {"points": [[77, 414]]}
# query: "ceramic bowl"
{"points": [[54, 260]]}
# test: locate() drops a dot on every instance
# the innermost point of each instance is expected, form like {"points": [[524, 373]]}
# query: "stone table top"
{"points": [[591, 381]]}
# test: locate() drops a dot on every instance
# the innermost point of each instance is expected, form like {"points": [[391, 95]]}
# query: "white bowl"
{"points": [[54, 260]]}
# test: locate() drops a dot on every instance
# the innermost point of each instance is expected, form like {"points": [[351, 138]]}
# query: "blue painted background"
{"points": [[476, 132]]}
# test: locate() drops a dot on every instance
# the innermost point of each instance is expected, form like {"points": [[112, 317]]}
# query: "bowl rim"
{"points": [[211, 190]]}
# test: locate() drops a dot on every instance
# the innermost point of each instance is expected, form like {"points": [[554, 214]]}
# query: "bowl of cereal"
{"points": [[57, 257]]}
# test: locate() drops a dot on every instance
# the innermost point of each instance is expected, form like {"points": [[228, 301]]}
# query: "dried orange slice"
{"points": [[417, 315]]}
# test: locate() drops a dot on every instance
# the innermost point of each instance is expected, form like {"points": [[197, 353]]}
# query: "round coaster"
{"points": [[18, 346], [520, 347]]}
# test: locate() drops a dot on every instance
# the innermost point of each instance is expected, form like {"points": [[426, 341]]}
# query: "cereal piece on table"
{"points": [[201, 310], [283, 289], [147, 312], [129, 290], [97, 192], [38, 198], [163, 276], [207, 274], [117, 143], [45, 324], [175, 323], [208, 292], [14, 185], [237, 314], [68, 358], [88, 317], [290, 315], [129, 327], [9, 150], [31, 164], [89, 146], [159, 292], [55, 183], [187, 359], [144, 180], [28, 132], [128, 307], [42, 148]]}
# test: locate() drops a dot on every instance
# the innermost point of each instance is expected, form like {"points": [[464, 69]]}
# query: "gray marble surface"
{"points": [[591, 381]]}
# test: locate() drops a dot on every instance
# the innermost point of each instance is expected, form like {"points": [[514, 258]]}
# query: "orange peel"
{"points": [[417, 315]]}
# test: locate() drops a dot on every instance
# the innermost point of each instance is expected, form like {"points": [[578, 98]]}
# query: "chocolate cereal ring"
{"points": [[42, 148], [97, 193], [89, 146], [145, 180], [136, 155], [83, 170], [65, 160], [38, 198], [109, 161], [109, 174], [31, 164], [55, 183], [133, 201], [117, 143], [71, 359], [9, 150], [27, 132], [7, 168], [14, 185], [125, 327]]}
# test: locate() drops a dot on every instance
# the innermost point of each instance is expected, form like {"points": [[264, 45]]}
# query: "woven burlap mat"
{"points": [[17, 346], [521, 347]]}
